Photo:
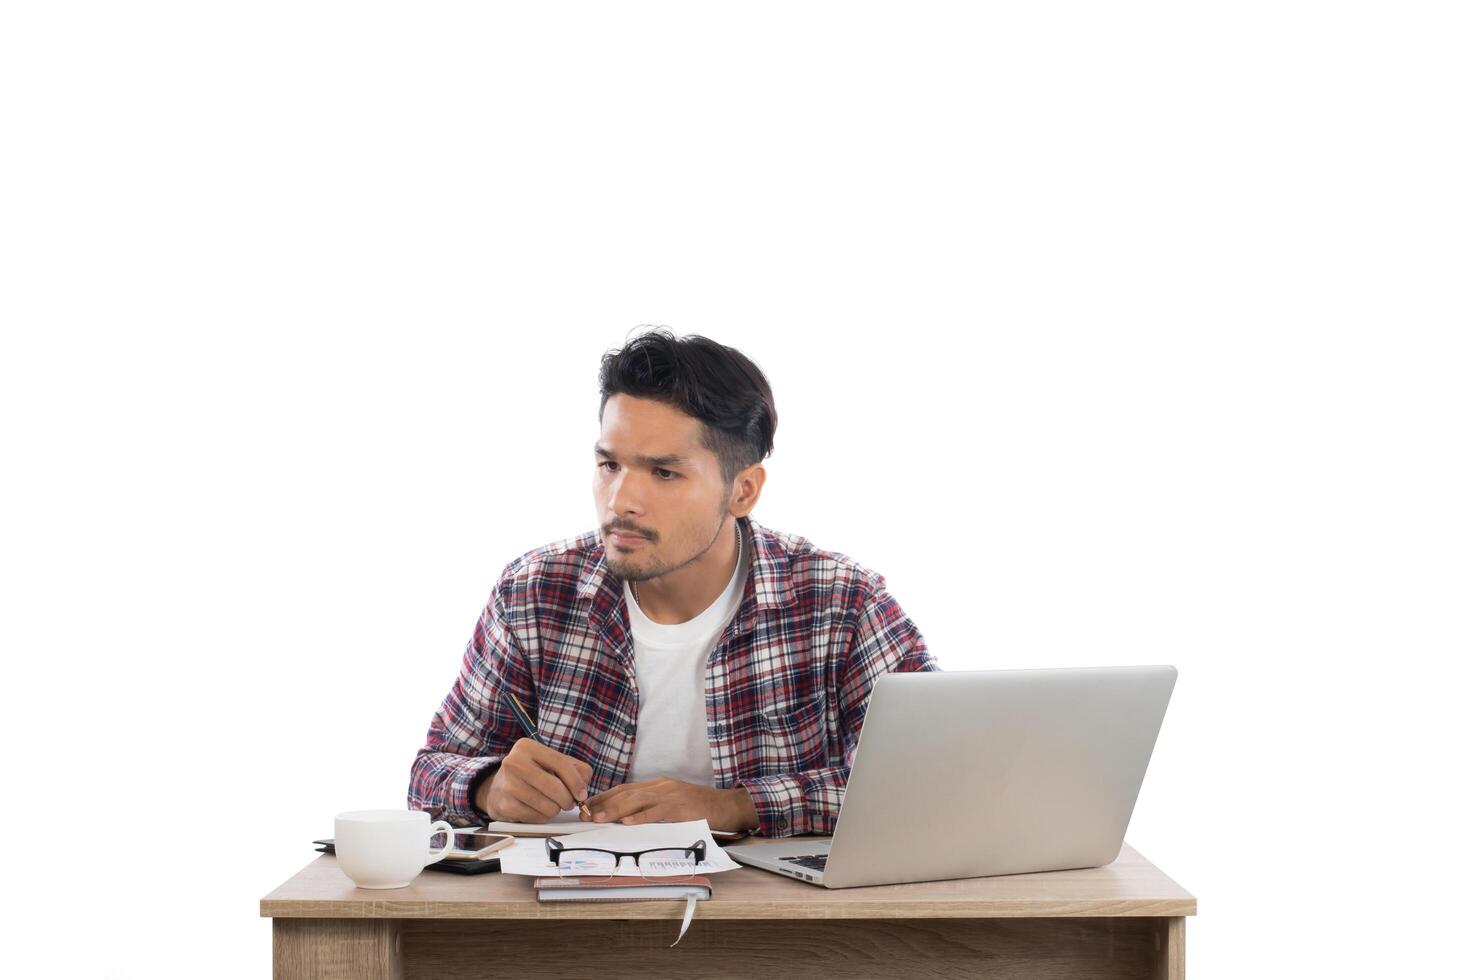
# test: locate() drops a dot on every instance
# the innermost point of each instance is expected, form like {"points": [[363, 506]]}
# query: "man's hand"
{"points": [[653, 800], [533, 784]]}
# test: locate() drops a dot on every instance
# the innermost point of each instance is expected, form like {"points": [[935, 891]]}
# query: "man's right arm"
{"points": [[474, 730]]}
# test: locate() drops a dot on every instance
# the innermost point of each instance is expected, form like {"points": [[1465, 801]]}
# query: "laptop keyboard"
{"points": [[816, 862]]}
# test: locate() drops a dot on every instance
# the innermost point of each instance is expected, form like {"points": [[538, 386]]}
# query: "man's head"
{"points": [[685, 424]]}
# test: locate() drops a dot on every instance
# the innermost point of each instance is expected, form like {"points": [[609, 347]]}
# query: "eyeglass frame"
{"points": [[554, 848]]}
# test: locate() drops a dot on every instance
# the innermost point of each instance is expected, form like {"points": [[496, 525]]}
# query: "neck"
{"points": [[681, 595]]}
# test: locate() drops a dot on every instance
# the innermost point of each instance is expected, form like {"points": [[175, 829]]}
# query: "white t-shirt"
{"points": [[673, 733]]}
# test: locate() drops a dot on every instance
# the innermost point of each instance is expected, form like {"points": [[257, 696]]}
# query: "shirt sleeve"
{"points": [[474, 728], [884, 639]]}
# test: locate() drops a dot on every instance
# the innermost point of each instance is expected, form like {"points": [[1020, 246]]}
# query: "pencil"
{"points": [[523, 716]]}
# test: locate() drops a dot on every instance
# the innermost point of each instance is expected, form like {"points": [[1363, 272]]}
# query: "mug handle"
{"points": [[449, 832]]}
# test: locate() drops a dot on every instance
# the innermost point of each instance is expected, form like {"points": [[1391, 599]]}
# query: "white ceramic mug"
{"points": [[387, 848]]}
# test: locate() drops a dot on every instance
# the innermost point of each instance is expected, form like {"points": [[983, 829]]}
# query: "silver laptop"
{"points": [[964, 774]]}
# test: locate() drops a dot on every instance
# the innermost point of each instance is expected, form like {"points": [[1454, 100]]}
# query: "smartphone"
{"points": [[475, 846]]}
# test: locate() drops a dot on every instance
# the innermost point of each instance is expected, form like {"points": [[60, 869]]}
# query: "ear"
{"points": [[747, 486]]}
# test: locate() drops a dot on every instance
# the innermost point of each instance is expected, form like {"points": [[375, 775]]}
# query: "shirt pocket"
{"points": [[793, 740]]}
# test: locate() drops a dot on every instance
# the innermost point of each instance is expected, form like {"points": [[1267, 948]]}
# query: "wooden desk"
{"points": [[1122, 920]]}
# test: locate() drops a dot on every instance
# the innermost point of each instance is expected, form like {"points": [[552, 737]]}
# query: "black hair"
{"points": [[715, 384]]}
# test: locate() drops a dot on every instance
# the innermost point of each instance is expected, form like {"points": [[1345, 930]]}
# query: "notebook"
{"points": [[620, 888], [626, 888]]}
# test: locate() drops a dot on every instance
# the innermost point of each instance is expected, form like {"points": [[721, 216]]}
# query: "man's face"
{"points": [[678, 505]]}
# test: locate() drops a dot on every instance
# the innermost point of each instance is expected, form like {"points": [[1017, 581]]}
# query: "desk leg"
{"points": [[337, 949], [1168, 948]]}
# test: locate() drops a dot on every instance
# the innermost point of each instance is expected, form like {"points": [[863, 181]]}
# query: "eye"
{"points": [[657, 469]]}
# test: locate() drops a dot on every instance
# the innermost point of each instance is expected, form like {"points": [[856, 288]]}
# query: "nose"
{"points": [[623, 497]]}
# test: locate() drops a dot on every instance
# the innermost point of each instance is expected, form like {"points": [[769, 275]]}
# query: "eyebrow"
{"points": [[672, 459]]}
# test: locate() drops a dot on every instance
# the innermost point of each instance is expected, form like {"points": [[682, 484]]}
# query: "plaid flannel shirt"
{"points": [[786, 687]]}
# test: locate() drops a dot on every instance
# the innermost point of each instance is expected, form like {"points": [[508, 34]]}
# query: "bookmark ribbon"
{"points": [[688, 916]]}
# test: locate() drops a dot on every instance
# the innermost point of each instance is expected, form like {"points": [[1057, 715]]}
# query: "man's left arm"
{"points": [[884, 639]]}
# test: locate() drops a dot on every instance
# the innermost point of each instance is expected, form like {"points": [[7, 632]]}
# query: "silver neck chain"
{"points": [[739, 556]]}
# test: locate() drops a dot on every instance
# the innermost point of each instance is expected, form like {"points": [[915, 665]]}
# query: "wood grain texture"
{"points": [[1129, 886], [1168, 949], [337, 949], [881, 949]]}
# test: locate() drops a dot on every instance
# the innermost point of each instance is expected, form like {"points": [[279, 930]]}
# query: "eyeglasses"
{"points": [[596, 864]]}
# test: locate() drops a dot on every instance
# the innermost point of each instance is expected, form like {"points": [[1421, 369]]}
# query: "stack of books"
{"points": [[621, 888], [627, 888]]}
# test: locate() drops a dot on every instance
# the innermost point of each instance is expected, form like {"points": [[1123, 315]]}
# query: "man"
{"points": [[682, 662]]}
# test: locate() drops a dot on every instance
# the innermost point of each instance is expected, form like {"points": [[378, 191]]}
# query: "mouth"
{"points": [[627, 540]]}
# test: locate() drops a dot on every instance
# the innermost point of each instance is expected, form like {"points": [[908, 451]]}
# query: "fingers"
{"points": [[531, 776], [549, 786], [617, 809], [651, 814], [573, 774], [637, 798], [599, 804], [652, 800], [660, 783], [515, 811], [513, 798], [610, 794]]}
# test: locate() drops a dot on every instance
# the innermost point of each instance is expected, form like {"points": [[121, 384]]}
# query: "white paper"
{"points": [[528, 856], [565, 822]]}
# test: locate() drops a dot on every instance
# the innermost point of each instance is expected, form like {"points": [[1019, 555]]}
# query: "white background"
{"points": [[1109, 333]]}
